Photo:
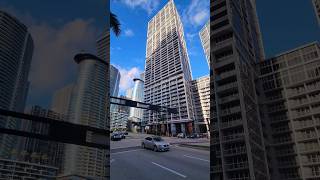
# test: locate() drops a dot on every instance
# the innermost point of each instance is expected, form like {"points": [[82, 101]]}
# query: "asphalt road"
{"points": [[141, 164]]}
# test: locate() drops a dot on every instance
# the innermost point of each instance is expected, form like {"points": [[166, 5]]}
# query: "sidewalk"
{"points": [[134, 140]]}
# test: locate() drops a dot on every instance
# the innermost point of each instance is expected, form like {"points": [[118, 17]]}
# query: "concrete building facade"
{"points": [[290, 104], [136, 114], [168, 73], [88, 107], [61, 100], [12, 169], [201, 97], [237, 143], [205, 40]]}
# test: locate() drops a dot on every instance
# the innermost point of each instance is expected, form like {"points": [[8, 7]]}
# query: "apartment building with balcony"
{"points": [[168, 73], [237, 143], [205, 40], [12, 169], [201, 97], [290, 107]]}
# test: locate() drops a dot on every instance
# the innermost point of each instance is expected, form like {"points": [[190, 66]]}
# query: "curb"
{"points": [[207, 148]]}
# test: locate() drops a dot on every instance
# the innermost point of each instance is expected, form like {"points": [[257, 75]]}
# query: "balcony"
{"points": [[231, 123], [216, 169], [227, 86], [236, 166], [316, 110], [285, 152], [314, 87], [278, 119], [229, 111], [228, 98], [233, 137], [281, 130], [225, 61], [227, 74], [298, 114], [307, 137], [215, 140], [277, 109], [235, 151]]}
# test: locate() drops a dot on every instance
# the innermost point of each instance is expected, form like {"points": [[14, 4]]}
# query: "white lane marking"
{"points": [[190, 149], [173, 171], [196, 158], [112, 160], [126, 151]]}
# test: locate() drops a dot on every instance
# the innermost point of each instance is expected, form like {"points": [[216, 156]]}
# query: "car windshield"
{"points": [[157, 139]]}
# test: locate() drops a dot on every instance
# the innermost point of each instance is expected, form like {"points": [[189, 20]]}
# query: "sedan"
{"points": [[155, 143], [116, 136]]}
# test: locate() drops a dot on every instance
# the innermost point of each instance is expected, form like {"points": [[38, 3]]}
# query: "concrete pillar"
{"points": [[173, 129], [183, 128]]}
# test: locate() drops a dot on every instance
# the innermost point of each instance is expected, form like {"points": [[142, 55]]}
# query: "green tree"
{"points": [[115, 24]]}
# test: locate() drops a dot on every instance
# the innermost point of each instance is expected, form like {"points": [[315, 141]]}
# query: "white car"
{"points": [[155, 143]]}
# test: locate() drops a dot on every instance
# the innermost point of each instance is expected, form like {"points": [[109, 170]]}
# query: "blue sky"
{"points": [[287, 24], [283, 27], [128, 50], [59, 29]]}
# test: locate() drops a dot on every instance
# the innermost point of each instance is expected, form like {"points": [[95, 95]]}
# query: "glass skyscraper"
{"points": [[15, 59]]}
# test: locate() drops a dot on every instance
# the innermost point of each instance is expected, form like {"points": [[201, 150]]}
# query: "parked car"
{"points": [[194, 135], [155, 143], [116, 136], [181, 135], [123, 136]]}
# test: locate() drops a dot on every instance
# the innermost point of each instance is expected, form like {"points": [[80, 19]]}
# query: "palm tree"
{"points": [[115, 24]]}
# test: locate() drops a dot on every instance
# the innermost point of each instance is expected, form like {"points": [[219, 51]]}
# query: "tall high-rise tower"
{"points": [[167, 72], [16, 49], [88, 107], [238, 150], [205, 40], [136, 114], [316, 5], [114, 81], [201, 97]]}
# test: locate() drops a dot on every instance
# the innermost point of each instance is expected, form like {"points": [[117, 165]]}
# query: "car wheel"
{"points": [[143, 146], [155, 149]]}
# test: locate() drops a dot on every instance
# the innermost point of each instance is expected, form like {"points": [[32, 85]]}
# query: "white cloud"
{"points": [[197, 13], [147, 5], [190, 36], [55, 49], [128, 33], [127, 76]]}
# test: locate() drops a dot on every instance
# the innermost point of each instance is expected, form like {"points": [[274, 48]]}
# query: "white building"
{"points": [[201, 97], [61, 100], [168, 73], [205, 40], [88, 107], [136, 114], [119, 120]]}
